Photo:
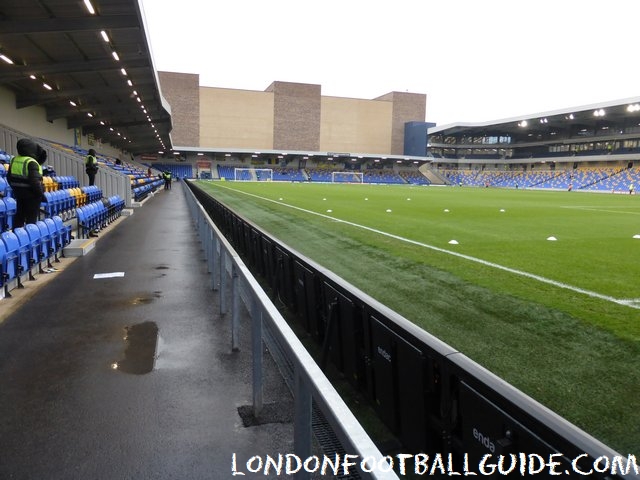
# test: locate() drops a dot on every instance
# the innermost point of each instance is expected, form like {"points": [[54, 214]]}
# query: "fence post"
{"points": [[216, 263], [302, 422], [223, 281], [211, 252], [256, 350], [235, 307]]}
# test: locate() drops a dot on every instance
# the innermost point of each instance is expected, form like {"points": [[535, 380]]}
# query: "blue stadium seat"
{"points": [[49, 205], [26, 251], [56, 238], [4, 275], [46, 242], [65, 230], [12, 257], [11, 209], [4, 222], [82, 217], [36, 244], [103, 214]]}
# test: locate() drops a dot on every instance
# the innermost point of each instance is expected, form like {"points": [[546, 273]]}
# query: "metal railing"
{"points": [[234, 283]]}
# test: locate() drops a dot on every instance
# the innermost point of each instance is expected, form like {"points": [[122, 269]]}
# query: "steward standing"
{"points": [[25, 178], [91, 166]]}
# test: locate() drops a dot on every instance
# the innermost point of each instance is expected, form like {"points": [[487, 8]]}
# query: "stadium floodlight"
{"points": [[252, 174], [347, 177]]}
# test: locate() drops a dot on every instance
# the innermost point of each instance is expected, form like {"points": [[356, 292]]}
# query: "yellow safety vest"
{"points": [[19, 170]]}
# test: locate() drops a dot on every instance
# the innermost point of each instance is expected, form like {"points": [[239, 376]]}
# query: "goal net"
{"points": [[253, 174], [347, 177]]}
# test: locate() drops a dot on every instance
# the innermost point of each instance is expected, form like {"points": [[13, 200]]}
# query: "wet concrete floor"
{"points": [[129, 374]]}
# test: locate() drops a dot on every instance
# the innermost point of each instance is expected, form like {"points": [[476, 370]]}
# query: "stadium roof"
{"points": [[93, 69], [611, 117]]}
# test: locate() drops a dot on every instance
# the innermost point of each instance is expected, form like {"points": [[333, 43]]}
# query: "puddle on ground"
{"points": [[140, 349], [141, 299]]}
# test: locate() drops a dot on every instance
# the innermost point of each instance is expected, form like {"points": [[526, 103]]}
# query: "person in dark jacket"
{"points": [[25, 178], [91, 166]]}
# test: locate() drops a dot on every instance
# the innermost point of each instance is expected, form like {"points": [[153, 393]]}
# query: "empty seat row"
{"points": [[139, 193], [65, 181], [99, 214], [93, 193], [26, 248], [64, 202]]}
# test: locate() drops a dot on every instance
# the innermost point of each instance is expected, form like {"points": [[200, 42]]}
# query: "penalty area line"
{"points": [[634, 303]]}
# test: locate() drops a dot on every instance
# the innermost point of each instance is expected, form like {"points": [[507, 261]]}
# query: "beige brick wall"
{"points": [[296, 114], [181, 90], [351, 125], [407, 107], [287, 116], [236, 119]]}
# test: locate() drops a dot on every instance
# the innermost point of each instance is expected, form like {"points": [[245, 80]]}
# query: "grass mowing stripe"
{"points": [[627, 303]]}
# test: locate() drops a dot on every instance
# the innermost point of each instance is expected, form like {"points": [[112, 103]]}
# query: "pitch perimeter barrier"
{"points": [[433, 398], [315, 398]]}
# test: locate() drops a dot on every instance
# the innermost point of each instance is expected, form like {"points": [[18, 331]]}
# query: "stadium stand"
{"points": [[593, 179], [177, 170]]}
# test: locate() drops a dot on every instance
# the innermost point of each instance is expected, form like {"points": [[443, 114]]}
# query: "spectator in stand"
{"points": [[91, 166], [25, 178]]}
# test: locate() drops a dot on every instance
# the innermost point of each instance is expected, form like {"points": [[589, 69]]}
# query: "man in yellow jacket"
{"points": [[91, 166], [25, 178]]}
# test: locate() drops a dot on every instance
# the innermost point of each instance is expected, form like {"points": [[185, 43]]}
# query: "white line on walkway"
{"points": [[108, 275], [627, 303]]}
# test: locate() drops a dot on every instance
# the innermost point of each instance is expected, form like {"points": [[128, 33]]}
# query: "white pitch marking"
{"points": [[532, 276], [595, 209]]}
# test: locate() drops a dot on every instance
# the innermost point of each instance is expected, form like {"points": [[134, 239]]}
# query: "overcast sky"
{"points": [[476, 60]]}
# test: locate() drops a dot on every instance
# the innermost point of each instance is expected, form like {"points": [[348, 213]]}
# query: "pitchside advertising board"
{"points": [[306, 294], [485, 429], [343, 338], [399, 385]]}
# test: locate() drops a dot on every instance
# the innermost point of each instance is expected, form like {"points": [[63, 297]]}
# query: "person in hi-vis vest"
{"points": [[25, 178], [91, 166]]}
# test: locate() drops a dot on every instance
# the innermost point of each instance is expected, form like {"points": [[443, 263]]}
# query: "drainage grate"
{"points": [[328, 441], [322, 431]]}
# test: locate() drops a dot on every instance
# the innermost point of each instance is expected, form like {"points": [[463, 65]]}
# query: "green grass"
{"points": [[577, 352]]}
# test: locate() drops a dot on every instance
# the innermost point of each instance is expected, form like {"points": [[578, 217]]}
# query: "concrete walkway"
{"points": [[78, 401]]}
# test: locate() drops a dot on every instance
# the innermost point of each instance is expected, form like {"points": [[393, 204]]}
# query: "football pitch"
{"points": [[540, 287]]}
